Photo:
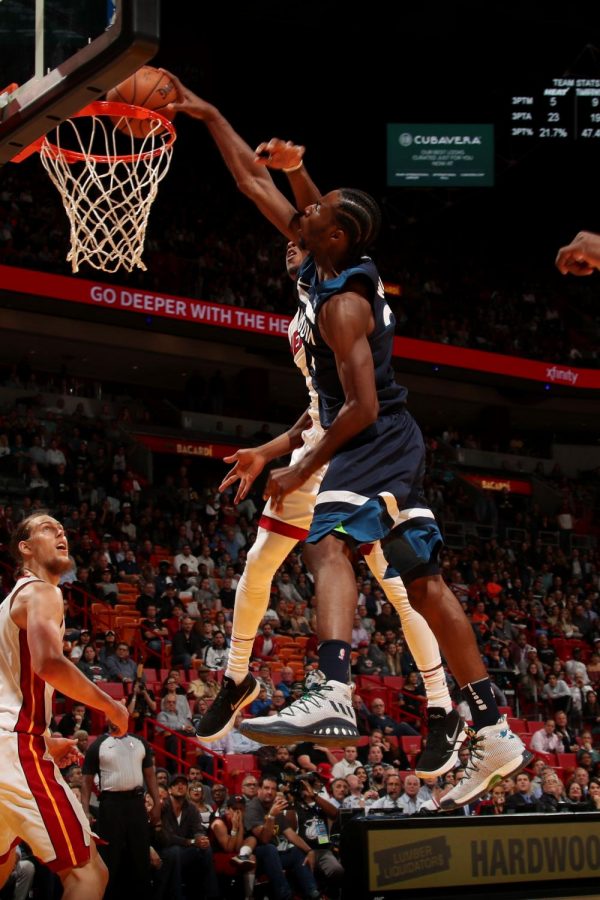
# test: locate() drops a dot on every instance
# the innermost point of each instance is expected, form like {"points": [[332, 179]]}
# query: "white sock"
{"points": [[419, 636]]}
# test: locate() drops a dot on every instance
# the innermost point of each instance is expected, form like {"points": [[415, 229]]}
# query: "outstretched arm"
{"points": [[252, 180], [581, 256], [250, 461]]}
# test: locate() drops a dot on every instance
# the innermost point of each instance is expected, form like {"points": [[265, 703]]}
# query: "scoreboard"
{"points": [[568, 108]]}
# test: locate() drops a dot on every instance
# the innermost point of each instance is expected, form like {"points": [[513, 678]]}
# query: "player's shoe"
{"points": [[230, 700], [445, 737], [495, 753], [323, 714]]}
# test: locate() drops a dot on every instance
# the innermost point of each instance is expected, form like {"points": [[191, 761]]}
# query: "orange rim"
{"points": [[106, 108]]}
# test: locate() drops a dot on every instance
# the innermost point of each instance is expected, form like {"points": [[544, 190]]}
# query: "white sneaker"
{"points": [[495, 753], [324, 714]]}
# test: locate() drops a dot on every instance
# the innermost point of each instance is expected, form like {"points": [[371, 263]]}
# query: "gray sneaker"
{"points": [[495, 753], [323, 714]]}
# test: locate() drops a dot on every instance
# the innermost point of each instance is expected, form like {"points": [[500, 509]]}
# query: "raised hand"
{"points": [[278, 154], [187, 102], [581, 256]]}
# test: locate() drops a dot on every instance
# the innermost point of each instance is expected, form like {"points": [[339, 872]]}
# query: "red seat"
{"points": [[113, 688], [549, 758], [366, 682], [395, 682], [566, 760], [411, 744], [239, 762], [526, 738], [532, 727], [516, 725]]}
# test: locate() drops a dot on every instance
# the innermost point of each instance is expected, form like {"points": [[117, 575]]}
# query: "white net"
{"points": [[108, 178]]}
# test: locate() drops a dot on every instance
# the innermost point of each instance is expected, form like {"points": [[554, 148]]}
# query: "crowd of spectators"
{"points": [[179, 547], [204, 243]]}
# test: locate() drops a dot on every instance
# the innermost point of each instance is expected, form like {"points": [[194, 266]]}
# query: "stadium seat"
{"points": [[103, 616], [127, 628], [126, 609], [532, 726], [549, 758], [395, 682], [411, 744], [526, 738], [239, 762], [567, 760], [516, 725], [113, 688]]}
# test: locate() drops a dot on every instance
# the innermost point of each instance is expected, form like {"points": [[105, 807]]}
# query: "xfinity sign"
{"points": [[430, 155]]}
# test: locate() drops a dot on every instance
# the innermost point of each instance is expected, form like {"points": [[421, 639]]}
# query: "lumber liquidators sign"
{"points": [[430, 155], [409, 860]]}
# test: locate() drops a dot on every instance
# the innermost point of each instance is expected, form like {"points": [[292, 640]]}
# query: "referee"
{"points": [[122, 765]]}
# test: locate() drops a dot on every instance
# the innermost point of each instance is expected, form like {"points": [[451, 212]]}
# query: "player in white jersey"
{"points": [[36, 804]]}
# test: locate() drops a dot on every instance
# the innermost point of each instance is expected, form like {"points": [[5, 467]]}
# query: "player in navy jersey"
{"points": [[372, 487]]}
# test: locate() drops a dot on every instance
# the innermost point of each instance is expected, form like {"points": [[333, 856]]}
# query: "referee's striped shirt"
{"points": [[119, 762]]}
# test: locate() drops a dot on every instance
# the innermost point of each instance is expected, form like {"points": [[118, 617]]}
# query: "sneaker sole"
{"points": [[209, 738], [283, 732], [510, 768], [449, 764]]}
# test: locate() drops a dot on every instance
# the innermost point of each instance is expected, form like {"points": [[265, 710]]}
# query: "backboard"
{"points": [[64, 54]]}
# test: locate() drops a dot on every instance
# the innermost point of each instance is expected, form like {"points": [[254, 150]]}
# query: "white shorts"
{"points": [[296, 515], [37, 805]]}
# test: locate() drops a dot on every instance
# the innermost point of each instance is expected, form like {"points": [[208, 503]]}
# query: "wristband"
{"points": [[269, 816], [233, 833], [294, 168]]}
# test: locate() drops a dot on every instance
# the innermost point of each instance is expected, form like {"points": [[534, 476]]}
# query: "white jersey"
{"points": [[25, 698], [315, 433]]}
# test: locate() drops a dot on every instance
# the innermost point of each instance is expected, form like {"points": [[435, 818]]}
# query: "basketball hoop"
{"points": [[108, 180]]}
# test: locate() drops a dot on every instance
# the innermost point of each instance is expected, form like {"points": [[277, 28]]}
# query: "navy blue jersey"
{"points": [[321, 359]]}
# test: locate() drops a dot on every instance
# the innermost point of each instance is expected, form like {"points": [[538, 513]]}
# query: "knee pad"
{"points": [[412, 549]]}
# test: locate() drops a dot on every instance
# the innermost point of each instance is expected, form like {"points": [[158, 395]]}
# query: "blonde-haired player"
{"points": [[36, 804]]}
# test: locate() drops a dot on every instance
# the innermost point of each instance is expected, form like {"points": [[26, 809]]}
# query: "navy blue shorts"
{"points": [[374, 483]]}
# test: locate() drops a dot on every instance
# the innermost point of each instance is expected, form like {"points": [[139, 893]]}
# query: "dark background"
{"points": [[331, 78]]}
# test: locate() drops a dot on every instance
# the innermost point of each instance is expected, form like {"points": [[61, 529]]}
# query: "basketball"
{"points": [[147, 87]]}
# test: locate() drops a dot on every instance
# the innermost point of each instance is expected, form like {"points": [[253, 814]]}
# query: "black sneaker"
{"points": [[232, 698], [444, 739]]}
